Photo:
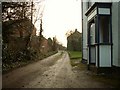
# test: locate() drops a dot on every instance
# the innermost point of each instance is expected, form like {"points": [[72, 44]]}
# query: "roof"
{"points": [[75, 34], [100, 4]]}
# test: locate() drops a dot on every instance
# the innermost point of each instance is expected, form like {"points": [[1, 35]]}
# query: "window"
{"points": [[104, 29], [92, 33]]}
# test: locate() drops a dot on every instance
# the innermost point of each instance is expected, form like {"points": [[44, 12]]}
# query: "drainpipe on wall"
{"points": [[82, 25]]}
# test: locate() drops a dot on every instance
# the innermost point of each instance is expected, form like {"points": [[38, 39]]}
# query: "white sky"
{"points": [[60, 16]]}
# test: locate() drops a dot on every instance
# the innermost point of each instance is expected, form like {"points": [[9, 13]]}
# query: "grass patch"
{"points": [[75, 60], [75, 54]]}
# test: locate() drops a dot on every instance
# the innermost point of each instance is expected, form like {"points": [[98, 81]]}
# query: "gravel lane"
{"points": [[51, 72], [22, 76]]}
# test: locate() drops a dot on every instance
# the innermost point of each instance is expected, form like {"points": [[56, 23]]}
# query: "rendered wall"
{"points": [[105, 55], [119, 33], [93, 60], [96, 48], [115, 33], [84, 8]]}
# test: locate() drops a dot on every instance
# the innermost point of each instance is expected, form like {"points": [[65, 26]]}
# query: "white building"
{"points": [[101, 38]]}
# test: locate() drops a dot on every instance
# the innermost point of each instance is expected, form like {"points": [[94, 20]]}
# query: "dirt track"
{"points": [[52, 72]]}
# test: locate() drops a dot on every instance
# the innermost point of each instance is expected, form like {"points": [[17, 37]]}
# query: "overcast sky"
{"points": [[60, 16]]}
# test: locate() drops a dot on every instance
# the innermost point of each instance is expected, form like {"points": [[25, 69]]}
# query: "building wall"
{"points": [[119, 32], [115, 29], [91, 2], [105, 53], [115, 33], [74, 41], [84, 21]]}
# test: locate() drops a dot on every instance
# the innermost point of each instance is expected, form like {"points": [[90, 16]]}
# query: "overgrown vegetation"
{"points": [[18, 51], [9, 65], [20, 44]]}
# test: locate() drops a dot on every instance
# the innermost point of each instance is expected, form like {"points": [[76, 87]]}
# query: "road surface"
{"points": [[52, 72]]}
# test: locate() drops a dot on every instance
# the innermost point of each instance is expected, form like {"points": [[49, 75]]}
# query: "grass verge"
{"points": [[75, 60], [75, 54]]}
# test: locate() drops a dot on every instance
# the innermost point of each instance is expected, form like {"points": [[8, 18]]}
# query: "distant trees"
{"points": [[54, 46], [50, 43]]}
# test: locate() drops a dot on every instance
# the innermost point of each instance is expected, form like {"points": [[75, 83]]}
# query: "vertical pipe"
{"points": [[98, 37], [111, 40], [89, 50], [1, 45], [82, 25]]}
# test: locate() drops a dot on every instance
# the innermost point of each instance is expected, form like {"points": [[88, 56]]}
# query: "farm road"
{"points": [[52, 72]]}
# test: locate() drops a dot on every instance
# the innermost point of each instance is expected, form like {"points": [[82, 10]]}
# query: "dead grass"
{"points": [[75, 60], [107, 79], [77, 63]]}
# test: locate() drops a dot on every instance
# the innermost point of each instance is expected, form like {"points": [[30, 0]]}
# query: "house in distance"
{"points": [[74, 42]]}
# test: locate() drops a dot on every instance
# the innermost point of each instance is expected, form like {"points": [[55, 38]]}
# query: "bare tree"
{"points": [[36, 15]]}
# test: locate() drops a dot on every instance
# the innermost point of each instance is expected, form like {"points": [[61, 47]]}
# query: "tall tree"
{"points": [[15, 10], [50, 43], [54, 45]]}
